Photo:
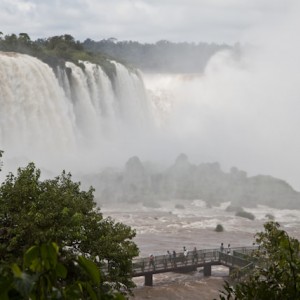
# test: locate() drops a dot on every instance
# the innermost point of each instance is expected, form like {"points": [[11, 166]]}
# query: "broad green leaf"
{"points": [[91, 292], [31, 254], [49, 255], [90, 268], [61, 270], [55, 246], [16, 271]]}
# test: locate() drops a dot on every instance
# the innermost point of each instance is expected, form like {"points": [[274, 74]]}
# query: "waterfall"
{"points": [[35, 113], [63, 116], [130, 91]]}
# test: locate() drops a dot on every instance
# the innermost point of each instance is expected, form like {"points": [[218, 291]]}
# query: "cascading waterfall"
{"points": [[130, 90], [68, 114], [35, 114]]}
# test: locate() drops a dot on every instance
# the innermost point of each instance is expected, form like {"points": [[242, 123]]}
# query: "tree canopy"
{"points": [[35, 211], [45, 276], [55, 50], [276, 274], [162, 56]]}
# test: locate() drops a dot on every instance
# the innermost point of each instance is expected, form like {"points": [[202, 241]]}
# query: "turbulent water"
{"points": [[170, 228]]}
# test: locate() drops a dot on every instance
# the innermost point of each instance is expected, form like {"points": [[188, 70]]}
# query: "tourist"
{"points": [[228, 249], [185, 255], [169, 257], [195, 255], [151, 262], [174, 258], [222, 247]]}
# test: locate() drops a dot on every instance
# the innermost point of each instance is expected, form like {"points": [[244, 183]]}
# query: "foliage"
{"points": [[276, 272], [1, 153], [163, 56], [34, 212], [219, 228], [21, 43], [44, 276], [56, 50], [245, 214]]}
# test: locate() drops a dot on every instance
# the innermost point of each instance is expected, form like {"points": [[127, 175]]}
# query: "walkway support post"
{"points": [[207, 270], [148, 280]]}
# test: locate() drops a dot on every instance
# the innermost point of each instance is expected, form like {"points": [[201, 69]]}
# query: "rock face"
{"points": [[135, 183], [187, 181]]}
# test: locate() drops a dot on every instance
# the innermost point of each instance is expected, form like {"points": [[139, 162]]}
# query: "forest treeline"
{"points": [[162, 56], [55, 50]]}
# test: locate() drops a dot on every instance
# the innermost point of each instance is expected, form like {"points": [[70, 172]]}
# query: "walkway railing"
{"points": [[165, 263]]}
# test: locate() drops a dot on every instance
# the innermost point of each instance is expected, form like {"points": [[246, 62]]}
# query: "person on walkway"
{"points": [[151, 261], [185, 255], [195, 255], [228, 249], [174, 259], [169, 257], [222, 247]]}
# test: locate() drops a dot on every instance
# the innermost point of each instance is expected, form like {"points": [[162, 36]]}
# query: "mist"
{"points": [[243, 110]]}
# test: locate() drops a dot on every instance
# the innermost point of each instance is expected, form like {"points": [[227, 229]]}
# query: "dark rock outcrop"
{"points": [[186, 181]]}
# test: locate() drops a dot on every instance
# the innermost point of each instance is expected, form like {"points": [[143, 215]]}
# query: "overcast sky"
{"points": [[218, 21]]}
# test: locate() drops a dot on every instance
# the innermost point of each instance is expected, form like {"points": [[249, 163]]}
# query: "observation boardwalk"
{"points": [[237, 259]]}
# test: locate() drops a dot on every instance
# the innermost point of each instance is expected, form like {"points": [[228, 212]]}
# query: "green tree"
{"points": [[1, 163], [276, 274], [33, 211], [24, 37], [44, 276]]}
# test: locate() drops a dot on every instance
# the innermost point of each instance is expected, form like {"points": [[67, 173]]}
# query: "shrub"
{"points": [[275, 275]]}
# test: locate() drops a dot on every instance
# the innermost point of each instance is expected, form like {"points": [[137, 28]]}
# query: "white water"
{"points": [[168, 228], [78, 122], [237, 113], [35, 114]]}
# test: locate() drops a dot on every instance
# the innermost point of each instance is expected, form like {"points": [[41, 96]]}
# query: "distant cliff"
{"points": [[163, 56], [186, 181]]}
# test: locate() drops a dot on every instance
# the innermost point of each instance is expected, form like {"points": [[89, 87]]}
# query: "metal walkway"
{"points": [[201, 258]]}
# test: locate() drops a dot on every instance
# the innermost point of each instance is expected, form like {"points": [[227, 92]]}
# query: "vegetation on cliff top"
{"points": [[56, 50]]}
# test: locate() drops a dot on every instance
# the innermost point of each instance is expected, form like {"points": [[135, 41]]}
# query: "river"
{"points": [[191, 223]]}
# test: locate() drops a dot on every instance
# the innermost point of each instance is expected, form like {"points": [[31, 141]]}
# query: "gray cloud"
{"points": [[243, 113], [191, 20]]}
